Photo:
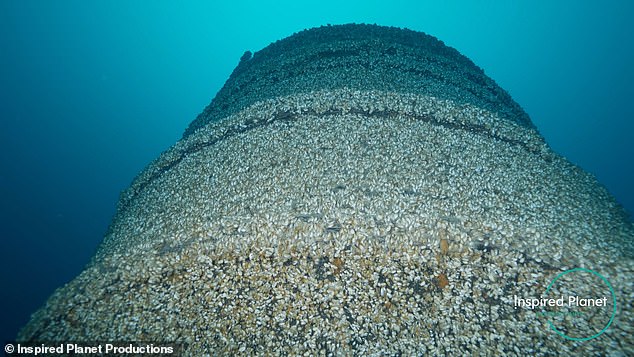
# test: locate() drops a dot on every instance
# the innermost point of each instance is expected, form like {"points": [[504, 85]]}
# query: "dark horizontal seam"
{"points": [[316, 67], [288, 116], [428, 72]]}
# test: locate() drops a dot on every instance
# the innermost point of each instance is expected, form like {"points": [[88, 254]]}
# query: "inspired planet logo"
{"points": [[579, 304], [571, 301]]}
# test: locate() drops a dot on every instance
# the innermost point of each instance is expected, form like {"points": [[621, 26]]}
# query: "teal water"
{"points": [[92, 92]]}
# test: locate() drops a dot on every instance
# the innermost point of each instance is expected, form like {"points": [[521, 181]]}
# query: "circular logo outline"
{"points": [[552, 326]]}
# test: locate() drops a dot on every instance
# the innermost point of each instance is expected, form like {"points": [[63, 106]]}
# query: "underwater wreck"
{"points": [[354, 189]]}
